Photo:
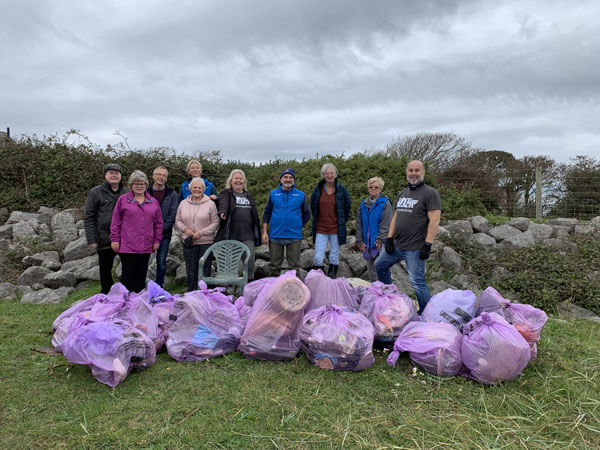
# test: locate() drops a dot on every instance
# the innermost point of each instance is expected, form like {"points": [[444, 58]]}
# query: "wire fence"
{"points": [[533, 193]]}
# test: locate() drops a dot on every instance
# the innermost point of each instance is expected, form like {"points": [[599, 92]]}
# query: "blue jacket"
{"points": [[371, 219], [168, 209], [286, 213], [342, 206], [185, 189]]}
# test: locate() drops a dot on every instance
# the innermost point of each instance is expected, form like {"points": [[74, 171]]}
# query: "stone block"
{"points": [[33, 275], [520, 223]]}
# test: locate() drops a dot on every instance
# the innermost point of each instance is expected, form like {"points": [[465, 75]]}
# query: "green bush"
{"points": [[539, 275], [458, 203], [544, 277]]}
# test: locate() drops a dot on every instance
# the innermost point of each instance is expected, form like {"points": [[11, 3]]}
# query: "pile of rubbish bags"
{"points": [[333, 322]]}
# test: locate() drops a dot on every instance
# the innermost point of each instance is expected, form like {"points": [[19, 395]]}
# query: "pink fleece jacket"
{"points": [[200, 216], [136, 227]]}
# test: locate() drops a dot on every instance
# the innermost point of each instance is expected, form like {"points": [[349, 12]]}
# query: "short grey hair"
{"points": [[197, 180], [328, 166], [137, 175], [160, 168]]}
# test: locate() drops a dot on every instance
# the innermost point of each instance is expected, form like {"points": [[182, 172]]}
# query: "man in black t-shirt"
{"points": [[412, 230]]}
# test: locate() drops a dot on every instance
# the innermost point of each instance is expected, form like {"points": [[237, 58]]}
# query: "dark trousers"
{"points": [[292, 254], [161, 260], [192, 257], [134, 268], [106, 257]]}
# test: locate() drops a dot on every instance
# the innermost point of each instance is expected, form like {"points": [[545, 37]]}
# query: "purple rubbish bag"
{"points": [[337, 337], [527, 319], [202, 327], [493, 350], [97, 308], [453, 306], [274, 322], [433, 346], [63, 322], [137, 311], [388, 309], [110, 349], [162, 302], [243, 310], [252, 289], [324, 290]]}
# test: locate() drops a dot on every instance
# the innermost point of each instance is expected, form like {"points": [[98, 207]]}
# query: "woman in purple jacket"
{"points": [[136, 231]]}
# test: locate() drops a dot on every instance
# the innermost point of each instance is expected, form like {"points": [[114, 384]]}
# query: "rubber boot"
{"points": [[332, 272], [319, 267]]}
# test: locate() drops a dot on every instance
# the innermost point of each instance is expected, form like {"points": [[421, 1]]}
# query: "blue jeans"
{"points": [[415, 267], [320, 246], [161, 260]]}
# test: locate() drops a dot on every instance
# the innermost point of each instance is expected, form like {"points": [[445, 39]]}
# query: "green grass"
{"points": [[233, 402]]}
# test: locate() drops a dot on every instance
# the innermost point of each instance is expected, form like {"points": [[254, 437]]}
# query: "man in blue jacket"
{"points": [[286, 213], [168, 201]]}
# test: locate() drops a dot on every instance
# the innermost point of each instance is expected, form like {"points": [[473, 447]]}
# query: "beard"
{"points": [[417, 181]]}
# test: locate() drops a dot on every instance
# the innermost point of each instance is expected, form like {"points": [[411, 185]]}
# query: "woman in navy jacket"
{"points": [[330, 207]]}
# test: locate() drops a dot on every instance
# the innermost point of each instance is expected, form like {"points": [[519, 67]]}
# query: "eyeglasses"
{"points": [[374, 187], [141, 183]]}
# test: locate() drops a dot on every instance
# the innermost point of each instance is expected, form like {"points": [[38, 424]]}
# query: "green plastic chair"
{"points": [[228, 255]]}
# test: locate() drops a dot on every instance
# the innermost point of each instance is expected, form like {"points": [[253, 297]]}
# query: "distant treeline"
{"points": [[53, 172]]}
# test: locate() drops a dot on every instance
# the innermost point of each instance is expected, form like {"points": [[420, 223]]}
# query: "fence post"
{"points": [[538, 193]]}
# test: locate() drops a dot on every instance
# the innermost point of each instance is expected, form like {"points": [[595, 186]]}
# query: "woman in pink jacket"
{"points": [[136, 231], [197, 220]]}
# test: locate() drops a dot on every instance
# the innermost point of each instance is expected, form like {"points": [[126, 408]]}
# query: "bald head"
{"points": [[415, 172]]}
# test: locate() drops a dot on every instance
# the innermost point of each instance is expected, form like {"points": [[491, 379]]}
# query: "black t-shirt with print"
{"points": [[242, 222], [411, 216]]}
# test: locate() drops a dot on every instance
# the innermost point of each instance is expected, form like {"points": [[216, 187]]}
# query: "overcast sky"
{"points": [[261, 79]]}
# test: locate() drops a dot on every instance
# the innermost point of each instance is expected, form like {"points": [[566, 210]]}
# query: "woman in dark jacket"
{"points": [[239, 215], [330, 207]]}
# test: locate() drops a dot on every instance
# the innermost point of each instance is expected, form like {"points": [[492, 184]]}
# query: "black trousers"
{"points": [[135, 267], [192, 261], [106, 257]]}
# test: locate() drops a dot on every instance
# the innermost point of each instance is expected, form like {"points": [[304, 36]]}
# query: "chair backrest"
{"points": [[227, 254]]}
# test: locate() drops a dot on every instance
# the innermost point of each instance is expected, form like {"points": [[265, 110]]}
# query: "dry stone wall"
{"points": [[50, 275]]}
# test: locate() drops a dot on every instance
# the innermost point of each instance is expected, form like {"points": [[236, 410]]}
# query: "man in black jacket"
{"points": [[98, 214], [168, 201]]}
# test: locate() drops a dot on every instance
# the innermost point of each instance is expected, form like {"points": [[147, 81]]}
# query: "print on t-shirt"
{"points": [[242, 202], [406, 204]]}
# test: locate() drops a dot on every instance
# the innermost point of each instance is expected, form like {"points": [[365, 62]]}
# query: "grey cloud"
{"points": [[286, 77]]}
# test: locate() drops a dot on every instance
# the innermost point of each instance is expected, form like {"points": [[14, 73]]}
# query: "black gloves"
{"points": [[425, 251], [389, 245]]}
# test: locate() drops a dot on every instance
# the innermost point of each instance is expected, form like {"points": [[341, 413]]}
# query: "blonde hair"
{"points": [[378, 180], [137, 175], [191, 163], [230, 177]]}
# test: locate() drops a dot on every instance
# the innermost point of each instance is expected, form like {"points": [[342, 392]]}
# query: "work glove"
{"points": [[425, 251], [389, 245]]}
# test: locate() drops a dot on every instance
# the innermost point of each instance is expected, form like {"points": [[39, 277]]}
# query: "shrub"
{"points": [[460, 202], [544, 277], [539, 275]]}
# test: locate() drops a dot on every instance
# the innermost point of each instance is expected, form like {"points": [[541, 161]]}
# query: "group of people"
{"points": [[139, 222]]}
